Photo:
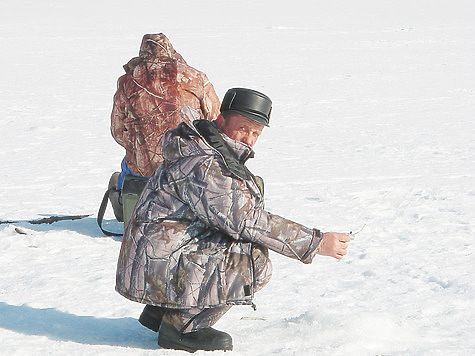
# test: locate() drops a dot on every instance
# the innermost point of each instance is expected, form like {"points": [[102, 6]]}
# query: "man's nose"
{"points": [[248, 140]]}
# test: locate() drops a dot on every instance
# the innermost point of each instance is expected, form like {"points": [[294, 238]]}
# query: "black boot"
{"points": [[151, 317], [205, 339]]}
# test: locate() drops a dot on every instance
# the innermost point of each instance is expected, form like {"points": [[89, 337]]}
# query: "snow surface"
{"points": [[373, 125]]}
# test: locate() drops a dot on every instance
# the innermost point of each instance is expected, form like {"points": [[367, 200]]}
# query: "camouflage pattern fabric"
{"points": [[193, 319], [147, 103], [191, 238]]}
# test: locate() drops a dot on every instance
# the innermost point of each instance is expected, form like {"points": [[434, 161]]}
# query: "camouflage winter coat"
{"points": [[190, 238], [149, 97]]}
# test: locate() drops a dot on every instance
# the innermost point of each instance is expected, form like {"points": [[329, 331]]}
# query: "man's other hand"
{"points": [[333, 244]]}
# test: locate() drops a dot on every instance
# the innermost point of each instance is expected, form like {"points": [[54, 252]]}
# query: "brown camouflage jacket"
{"points": [[190, 237], [149, 97]]}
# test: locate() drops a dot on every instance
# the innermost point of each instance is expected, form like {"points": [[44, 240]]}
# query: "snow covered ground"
{"points": [[373, 125]]}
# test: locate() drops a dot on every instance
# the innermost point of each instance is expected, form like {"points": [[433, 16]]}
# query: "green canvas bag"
{"points": [[131, 191], [122, 201]]}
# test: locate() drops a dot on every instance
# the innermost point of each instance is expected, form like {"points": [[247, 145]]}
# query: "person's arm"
{"points": [[118, 114], [225, 203], [210, 105]]}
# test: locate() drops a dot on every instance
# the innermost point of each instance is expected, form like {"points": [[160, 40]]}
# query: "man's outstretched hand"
{"points": [[333, 244]]}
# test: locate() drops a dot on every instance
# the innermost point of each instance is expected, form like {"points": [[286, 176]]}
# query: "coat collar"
{"points": [[235, 153]]}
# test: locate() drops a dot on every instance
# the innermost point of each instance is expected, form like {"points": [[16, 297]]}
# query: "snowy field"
{"points": [[373, 125]]}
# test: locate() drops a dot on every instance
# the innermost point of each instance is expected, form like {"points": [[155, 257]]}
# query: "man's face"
{"points": [[240, 128]]}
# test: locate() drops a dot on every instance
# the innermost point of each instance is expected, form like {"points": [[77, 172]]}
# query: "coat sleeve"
{"points": [[118, 114], [226, 203], [210, 104]]}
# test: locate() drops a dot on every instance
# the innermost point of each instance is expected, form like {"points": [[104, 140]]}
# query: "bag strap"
{"points": [[102, 210]]}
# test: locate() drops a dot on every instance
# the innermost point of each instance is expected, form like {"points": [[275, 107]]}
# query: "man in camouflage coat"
{"points": [[198, 240]]}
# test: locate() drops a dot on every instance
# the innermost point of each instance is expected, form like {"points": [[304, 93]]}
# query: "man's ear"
{"points": [[220, 122]]}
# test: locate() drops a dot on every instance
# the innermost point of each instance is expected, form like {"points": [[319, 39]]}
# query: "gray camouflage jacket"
{"points": [[189, 241]]}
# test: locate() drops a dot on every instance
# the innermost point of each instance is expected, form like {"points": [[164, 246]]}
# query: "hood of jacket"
{"points": [[158, 46], [155, 47]]}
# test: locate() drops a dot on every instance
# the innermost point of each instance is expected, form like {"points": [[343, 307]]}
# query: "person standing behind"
{"points": [[147, 103]]}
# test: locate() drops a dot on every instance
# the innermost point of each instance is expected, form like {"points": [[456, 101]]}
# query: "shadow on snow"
{"points": [[86, 226], [58, 325]]}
